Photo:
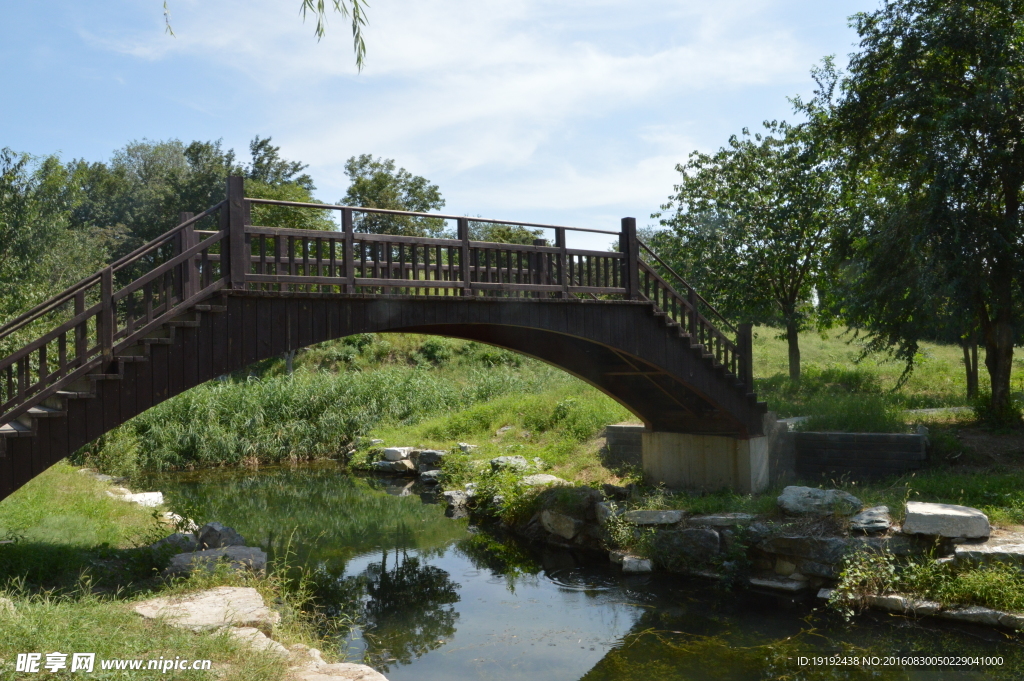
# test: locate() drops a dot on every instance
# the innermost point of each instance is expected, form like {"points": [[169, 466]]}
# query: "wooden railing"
{"points": [[81, 330], [78, 331]]}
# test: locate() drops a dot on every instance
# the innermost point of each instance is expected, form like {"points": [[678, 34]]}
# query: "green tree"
{"points": [[750, 225], [933, 104], [41, 253], [376, 183]]}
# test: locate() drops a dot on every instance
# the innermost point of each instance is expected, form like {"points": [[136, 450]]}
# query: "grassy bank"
{"points": [[78, 563]]}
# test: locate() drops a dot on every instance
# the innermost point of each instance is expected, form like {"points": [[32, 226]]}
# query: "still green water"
{"points": [[433, 599]]}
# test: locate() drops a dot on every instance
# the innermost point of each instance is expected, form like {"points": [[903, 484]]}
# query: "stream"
{"points": [[428, 598]]}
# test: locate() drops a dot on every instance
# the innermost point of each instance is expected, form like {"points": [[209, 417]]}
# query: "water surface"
{"points": [[439, 600]]}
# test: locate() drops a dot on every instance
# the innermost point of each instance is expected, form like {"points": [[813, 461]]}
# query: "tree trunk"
{"points": [[999, 361], [289, 357], [970, 347], [794, 349]]}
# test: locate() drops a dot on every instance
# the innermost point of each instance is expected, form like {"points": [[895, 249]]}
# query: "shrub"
{"points": [[853, 414]]}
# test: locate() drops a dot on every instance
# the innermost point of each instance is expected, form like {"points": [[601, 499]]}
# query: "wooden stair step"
{"points": [[185, 323], [74, 394], [105, 377], [15, 429], [203, 307], [42, 412], [157, 341]]}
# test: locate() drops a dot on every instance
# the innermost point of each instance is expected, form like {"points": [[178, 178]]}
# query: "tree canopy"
{"points": [[379, 183], [750, 225], [931, 115]]}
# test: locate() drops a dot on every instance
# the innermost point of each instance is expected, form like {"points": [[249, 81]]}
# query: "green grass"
{"points": [[78, 563], [831, 367]]}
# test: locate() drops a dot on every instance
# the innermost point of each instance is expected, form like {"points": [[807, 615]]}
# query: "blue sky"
{"points": [[571, 112]]}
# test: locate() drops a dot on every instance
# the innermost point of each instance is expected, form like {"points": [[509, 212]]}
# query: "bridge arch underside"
{"points": [[619, 347]]}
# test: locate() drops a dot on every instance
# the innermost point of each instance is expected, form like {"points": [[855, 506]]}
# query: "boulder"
{"points": [[653, 517], [223, 606], [870, 520], [397, 453], [466, 448], [215, 536], [237, 558], [429, 459], [826, 550], [945, 520], [257, 640], [560, 524], [456, 503], [603, 510], [400, 467], [722, 519], [513, 463], [635, 564], [1000, 547], [616, 492], [542, 480], [818, 502], [181, 542], [692, 545], [431, 477], [975, 614], [147, 499]]}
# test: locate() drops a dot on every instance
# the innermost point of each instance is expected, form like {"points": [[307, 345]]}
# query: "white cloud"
{"points": [[556, 104]]}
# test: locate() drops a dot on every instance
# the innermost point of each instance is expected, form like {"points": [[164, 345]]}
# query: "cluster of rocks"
{"points": [[241, 613], [210, 546]]}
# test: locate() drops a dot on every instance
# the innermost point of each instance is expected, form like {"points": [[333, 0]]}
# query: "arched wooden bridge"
{"points": [[197, 303]]}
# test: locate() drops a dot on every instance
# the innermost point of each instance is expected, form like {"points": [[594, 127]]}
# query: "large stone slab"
{"points": [[722, 519], [1000, 547], [945, 520], [653, 517], [400, 467], [236, 557], [223, 606], [257, 640], [812, 501], [342, 671], [397, 453], [179, 542]]}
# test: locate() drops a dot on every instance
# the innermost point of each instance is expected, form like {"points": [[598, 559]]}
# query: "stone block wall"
{"points": [[858, 456], [625, 443]]}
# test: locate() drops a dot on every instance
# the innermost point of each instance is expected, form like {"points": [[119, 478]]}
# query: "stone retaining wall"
{"points": [[857, 456], [624, 443]]}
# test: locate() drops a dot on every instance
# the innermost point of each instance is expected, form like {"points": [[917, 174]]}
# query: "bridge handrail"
{"points": [[682, 281], [67, 294], [437, 216]]}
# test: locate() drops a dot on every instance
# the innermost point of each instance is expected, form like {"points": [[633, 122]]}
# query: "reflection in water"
{"points": [[408, 609], [434, 602]]}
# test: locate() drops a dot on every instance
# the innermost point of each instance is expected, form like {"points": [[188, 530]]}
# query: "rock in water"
{"points": [[875, 519], [224, 606], [813, 501], [560, 524], [397, 453], [216, 535], [945, 520], [237, 558], [431, 477], [635, 564]]}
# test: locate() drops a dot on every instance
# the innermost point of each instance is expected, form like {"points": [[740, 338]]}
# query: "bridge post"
{"points": [[563, 262], [348, 256], [745, 339], [462, 231], [186, 240], [238, 256], [628, 246], [106, 320]]}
